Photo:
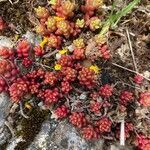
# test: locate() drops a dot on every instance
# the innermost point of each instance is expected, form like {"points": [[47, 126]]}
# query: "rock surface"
{"points": [[64, 137], [13, 143], [68, 138], [42, 141], [5, 105], [32, 38]]}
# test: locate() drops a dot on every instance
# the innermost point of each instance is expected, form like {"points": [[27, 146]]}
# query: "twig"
{"points": [[120, 82], [105, 111], [135, 87], [21, 111], [13, 2], [9, 126], [130, 71], [13, 108], [10, 2], [78, 90], [131, 49], [122, 134], [50, 54], [16, 2], [39, 64], [107, 137], [5, 80]]}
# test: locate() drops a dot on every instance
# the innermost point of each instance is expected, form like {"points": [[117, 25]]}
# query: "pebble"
{"points": [[83, 96], [5, 105], [6, 42], [146, 74], [71, 48], [58, 56]]}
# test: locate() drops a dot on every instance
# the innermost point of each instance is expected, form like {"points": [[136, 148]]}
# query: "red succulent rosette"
{"points": [[78, 119]]}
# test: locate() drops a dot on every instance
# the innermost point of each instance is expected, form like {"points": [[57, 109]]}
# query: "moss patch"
{"points": [[31, 127]]}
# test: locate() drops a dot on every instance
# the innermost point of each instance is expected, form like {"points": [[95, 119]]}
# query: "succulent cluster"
{"points": [[89, 133], [138, 79], [104, 125], [126, 97], [78, 119], [18, 89], [144, 99], [61, 21], [38, 50], [91, 6], [143, 142], [70, 84], [95, 106], [87, 77], [62, 111], [8, 69]]}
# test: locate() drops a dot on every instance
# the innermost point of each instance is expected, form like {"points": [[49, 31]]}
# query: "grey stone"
{"points": [[42, 140], [32, 38], [83, 96], [66, 137], [71, 48], [4, 135], [13, 143], [62, 136], [6, 42], [5, 105], [58, 56], [117, 146]]}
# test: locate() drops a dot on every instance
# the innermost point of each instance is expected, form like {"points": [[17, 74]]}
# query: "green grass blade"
{"points": [[114, 18]]}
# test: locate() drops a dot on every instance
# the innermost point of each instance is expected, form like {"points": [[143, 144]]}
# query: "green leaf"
{"points": [[52, 2], [114, 18]]}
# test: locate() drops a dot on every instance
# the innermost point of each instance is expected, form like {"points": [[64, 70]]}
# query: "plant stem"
{"points": [[122, 133], [131, 49], [130, 70]]}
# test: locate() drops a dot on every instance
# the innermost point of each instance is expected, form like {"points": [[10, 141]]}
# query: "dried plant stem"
{"points": [[5, 80], [122, 133], [130, 71], [21, 111], [9, 126], [10, 2], [131, 49], [44, 66], [78, 90], [135, 87], [120, 82], [13, 2], [50, 54], [16, 2]]}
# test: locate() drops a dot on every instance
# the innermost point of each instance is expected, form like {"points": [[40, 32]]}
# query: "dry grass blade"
{"points": [[131, 49], [130, 70], [122, 133], [21, 111]]}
